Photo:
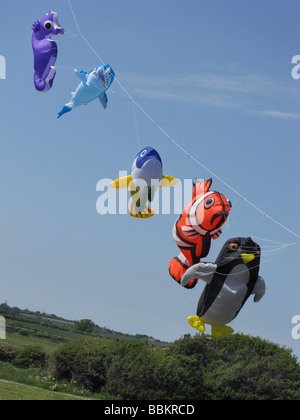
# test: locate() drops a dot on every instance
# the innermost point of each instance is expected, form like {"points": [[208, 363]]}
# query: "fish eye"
{"points": [[209, 203], [48, 25], [143, 153], [233, 246]]}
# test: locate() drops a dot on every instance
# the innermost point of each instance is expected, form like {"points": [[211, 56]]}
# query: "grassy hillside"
{"points": [[25, 327], [10, 391]]}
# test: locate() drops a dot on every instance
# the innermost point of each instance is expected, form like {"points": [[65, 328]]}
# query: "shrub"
{"points": [[177, 377], [236, 367], [83, 361], [130, 374], [252, 368], [30, 357], [7, 352], [143, 373], [85, 325]]}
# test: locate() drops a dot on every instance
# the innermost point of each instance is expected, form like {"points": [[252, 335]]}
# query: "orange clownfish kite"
{"points": [[199, 222]]}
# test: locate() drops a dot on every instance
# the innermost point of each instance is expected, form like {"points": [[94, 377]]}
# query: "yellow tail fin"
{"points": [[145, 214]]}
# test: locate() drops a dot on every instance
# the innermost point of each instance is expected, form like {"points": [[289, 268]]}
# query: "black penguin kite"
{"points": [[230, 282]]}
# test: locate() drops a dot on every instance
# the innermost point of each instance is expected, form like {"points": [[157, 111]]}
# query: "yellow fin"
{"points": [[197, 323], [168, 181], [145, 214], [220, 331], [123, 182]]}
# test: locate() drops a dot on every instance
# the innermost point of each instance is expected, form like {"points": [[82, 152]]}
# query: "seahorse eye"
{"points": [[48, 25]]}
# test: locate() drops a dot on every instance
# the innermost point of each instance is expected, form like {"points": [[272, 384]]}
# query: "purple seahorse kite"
{"points": [[45, 50]]}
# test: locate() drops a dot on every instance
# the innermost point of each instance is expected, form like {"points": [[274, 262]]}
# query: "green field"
{"points": [[12, 391], [25, 328]]}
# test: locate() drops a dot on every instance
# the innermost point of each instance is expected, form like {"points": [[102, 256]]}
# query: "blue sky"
{"points": [[216, 76]]}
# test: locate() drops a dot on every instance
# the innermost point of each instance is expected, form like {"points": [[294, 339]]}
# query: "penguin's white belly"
{"points": [[230, 299]]}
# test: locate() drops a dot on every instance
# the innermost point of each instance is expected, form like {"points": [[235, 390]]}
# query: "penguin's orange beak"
{"points": [[247, 258]]}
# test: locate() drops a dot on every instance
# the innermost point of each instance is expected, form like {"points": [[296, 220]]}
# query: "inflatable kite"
{"points": [[45, 50], [93, 85], [146, 177], [230, 282], [200, 222]]}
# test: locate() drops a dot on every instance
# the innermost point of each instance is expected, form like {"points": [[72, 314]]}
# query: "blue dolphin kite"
{"points": [[93, 85], [145, 179]]}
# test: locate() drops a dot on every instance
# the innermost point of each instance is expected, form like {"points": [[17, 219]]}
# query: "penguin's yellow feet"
{"points": [[197, 323], [220, 331]]}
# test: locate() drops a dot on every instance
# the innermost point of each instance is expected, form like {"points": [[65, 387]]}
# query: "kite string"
{"points": [[177, 144], [81, 34], [136, 127], [271, 254]]}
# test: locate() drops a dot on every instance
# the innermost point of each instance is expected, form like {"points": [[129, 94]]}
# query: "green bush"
{"points": [[130, 373], [7, 352], [85, 325], [177, 377], [83, 361], [252, 368], [142, 373], [236, 367], [30, 357]]}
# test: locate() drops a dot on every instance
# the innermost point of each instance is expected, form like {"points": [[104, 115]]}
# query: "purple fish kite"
{"points": [[45, 50]]}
